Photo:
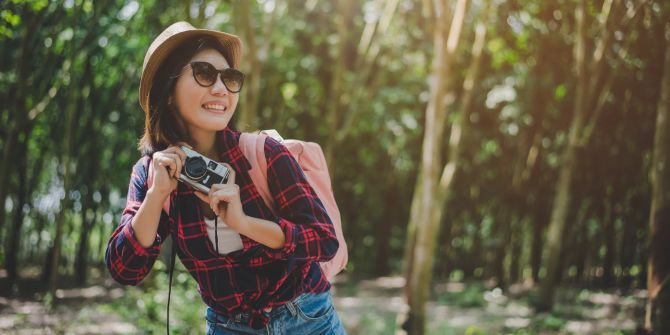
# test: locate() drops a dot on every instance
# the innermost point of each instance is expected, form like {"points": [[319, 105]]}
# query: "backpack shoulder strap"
{"points": [[253, 149]]}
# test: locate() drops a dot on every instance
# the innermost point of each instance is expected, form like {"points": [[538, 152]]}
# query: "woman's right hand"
{"points": [[166, 166]]}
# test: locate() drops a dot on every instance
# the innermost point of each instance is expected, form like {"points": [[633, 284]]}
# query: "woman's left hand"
{"points": [[224, 199]]}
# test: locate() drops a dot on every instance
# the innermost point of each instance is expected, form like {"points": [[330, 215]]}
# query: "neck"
{"points": [[205, 143]]}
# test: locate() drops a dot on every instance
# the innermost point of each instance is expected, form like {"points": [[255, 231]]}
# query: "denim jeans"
{"points": [[309, 314]]}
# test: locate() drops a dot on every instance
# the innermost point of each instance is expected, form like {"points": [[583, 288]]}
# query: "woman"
{"points": [[257, 272]]}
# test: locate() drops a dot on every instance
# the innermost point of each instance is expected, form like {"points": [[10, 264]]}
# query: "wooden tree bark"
{"points": [[609, 237], [242, 15], [13, 242], [68, 137], [65, 202], [253, 61], [561, 204], [17, 116], [92, 155], [590, 92], [344, 106], [435, 181], [336, 96], [657, 318]]}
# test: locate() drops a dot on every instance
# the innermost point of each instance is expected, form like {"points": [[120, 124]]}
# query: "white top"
{"points": [[229, 239]]}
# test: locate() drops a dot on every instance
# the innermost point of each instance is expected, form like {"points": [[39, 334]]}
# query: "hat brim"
{"points": [[155, 58]]}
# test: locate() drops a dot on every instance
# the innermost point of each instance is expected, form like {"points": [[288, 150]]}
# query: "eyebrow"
{"points": [[204, 61]]}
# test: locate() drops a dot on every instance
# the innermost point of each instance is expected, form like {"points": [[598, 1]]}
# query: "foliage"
{"points": [[77, 63]]}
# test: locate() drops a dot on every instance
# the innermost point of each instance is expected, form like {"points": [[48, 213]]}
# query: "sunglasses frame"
{"points": [[219, 74]]}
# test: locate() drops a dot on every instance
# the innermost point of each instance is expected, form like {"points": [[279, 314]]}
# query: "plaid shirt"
{"points": [[247, 280]]}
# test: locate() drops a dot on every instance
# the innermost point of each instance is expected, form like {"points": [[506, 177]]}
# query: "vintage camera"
{"points": [[201, 172]]}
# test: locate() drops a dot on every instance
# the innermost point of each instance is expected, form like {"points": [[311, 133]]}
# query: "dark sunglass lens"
{"points": [[204, 73], [233, 79]]}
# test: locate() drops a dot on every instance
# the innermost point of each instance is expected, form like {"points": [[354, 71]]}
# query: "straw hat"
{"points": [[166, 42]]}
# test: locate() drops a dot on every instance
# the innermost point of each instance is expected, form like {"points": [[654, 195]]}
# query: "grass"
{"points": [[146, 305]]}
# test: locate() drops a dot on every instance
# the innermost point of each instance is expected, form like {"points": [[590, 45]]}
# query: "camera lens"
{"points": [[195, 168]]}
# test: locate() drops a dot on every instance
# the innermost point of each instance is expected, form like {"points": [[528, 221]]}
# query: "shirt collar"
{"points": [[231, 152]]}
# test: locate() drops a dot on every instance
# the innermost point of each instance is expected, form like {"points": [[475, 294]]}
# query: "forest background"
{"points": [[502, 163]]}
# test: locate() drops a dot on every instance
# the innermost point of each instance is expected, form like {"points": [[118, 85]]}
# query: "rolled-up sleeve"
{"points": [[309, 232], [128, 262]]}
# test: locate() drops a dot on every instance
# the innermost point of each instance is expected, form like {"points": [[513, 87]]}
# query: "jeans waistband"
{"points": [[289, 306]]}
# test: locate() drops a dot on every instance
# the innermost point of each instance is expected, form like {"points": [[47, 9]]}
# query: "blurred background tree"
{"points": [[512, 141]]}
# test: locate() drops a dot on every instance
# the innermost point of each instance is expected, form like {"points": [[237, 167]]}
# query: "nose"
{"points": [[219, 88]]}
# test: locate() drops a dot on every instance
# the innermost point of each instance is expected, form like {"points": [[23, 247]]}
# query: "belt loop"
{"points": [[291, 308]]}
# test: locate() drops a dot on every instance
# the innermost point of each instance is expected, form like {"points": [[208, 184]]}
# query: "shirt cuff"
{"points": [[129, 234], [290, 240]]}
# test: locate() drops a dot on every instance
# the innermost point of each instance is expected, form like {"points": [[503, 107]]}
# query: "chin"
{"points": [[216, 125]]}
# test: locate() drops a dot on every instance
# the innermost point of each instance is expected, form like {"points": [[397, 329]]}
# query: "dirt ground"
{"points": [[370, 307]]}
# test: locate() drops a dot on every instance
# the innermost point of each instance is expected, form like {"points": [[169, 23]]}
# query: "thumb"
{"points": [[202, 196], [231, 174]]}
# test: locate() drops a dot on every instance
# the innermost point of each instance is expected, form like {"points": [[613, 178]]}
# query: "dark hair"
{"points": [[162, 124]]}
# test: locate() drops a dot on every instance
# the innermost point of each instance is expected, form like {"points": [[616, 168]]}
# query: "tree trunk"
{"points": [[610, 242], [14, 241], [67, 163], [502, 236], [65, 202], [18, 115], [92, 155], [430, 192], [476, 254], [335, 97], [515, 252], [384, 229], [536, 250], [242, 9], [5, 170], [365, 69], [657, 317], [582, 251], [561, 204]]}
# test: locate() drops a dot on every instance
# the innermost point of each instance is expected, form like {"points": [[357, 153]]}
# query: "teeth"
{"points": [[219, 107]]}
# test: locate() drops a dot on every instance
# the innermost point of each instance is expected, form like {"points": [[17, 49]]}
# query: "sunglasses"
{"points": [[205, 75]]}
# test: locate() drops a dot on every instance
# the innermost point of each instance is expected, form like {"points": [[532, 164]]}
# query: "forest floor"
{"points": [[367, 307]]}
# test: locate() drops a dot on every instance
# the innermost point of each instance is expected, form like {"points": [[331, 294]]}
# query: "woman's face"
{"points": [[204, 109]]}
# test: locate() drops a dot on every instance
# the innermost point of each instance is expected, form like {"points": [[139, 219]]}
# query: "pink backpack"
{"points": [[313, 163]]}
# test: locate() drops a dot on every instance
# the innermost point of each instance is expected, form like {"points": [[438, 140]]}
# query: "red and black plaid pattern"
{"points": [[247, 280]]}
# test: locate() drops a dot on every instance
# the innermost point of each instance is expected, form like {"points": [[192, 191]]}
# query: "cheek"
{"points": [[234, 98], [185, 99]]}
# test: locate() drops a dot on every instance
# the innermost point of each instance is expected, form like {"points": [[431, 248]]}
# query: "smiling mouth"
{"points": [[215, 108]]}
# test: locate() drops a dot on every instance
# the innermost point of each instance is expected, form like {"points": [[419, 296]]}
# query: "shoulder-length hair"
{"points": [[163, 125]]}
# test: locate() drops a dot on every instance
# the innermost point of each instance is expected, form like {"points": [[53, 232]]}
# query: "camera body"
{"points": [[201, 172]]}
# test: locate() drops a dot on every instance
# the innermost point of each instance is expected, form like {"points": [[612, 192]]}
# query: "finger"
{"points": [[214, 204], [177, 162], [221, 198], [216, 187], [231, 174], [182, 155], [180, 165], [178, 151], [185, 144], [223, 195], [201, 196], [167, 162]]}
